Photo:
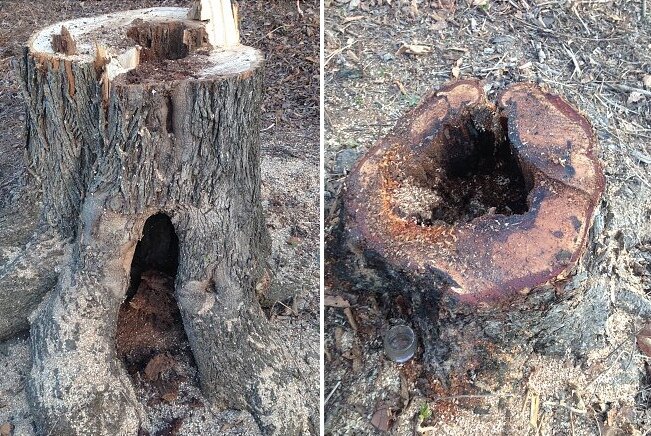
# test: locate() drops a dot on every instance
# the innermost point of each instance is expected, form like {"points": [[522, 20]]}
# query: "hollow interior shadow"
{"points": [[151, 340], [478, 172]]}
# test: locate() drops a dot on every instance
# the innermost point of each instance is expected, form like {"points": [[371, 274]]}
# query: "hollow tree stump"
{"points": [[474, 215], [145, 118]]}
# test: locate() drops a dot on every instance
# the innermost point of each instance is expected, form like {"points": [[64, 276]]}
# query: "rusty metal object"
{"points": [[481, 202]]}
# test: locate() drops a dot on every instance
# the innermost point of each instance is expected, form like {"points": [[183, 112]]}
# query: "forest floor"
{"points": [[167, 384], [597, 55]]}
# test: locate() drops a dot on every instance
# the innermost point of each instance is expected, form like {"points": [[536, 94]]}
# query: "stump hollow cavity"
{"points": [[477, 201], [473, 171]]}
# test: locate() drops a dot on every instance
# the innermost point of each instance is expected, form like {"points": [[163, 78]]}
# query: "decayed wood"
{"points": [[63, 43], [489, 281], [113, 139], [480, 202]]}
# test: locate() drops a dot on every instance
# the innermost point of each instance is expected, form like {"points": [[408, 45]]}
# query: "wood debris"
{"points": [[335, 301], [414, 49]]}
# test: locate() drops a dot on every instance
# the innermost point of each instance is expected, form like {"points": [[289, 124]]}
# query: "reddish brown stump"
{"points": [[476, 213]]}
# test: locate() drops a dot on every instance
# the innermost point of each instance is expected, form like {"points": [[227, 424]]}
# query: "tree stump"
{"points": [[135, 120], [474, 215]]}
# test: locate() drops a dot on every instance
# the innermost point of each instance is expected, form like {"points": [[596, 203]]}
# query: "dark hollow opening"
{"points": [[158, 249], [151, 340], [480, 173], [170, 40]]}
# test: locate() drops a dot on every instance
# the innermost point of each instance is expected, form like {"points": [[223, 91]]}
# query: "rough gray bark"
{"points": [[163, 139]]}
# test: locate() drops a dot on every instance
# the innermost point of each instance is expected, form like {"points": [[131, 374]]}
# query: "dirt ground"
{"points": [[290, 168], [591, 377]]}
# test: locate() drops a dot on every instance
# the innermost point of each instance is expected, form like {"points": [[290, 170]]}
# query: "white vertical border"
{"points": [[322, 217]]}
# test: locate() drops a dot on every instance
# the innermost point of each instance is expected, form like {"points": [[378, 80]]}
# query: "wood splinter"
{"points": [[223, 21], [64, 43]]}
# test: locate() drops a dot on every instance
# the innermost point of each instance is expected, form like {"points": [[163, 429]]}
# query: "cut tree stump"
{"points": [[145, 119], [474, 215]]}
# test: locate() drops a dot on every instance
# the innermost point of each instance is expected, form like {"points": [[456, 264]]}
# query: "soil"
{"points": [[588, 376], [163, 369]]}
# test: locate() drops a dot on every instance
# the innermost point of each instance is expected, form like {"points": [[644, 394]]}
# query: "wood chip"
{"points": [[440, 25], [335, 301], [401, 87], [354, 18], [351, 318], [456, 70]]}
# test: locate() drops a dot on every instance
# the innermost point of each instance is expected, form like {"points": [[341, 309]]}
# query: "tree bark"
{"points": [[176, 135]]}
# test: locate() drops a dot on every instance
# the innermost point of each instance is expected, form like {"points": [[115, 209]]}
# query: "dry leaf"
{"points": [[644, 340], [158, 365], [6, 429], [415, 49], [634, 97], [479, 2], [335, 301], [294, 241], [171, 394], [647, 81], [380, 419], [355, 356]]}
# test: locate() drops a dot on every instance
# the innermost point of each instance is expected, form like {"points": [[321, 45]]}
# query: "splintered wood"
{"points": [[63, 42], [222, 21]]}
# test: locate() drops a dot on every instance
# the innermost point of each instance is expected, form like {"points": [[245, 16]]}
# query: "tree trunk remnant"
{"points": [[474, 215], [146, 118]]}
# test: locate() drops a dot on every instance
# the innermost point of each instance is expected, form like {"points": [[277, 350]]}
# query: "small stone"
{"points": [[386, 57], [349, 73]]}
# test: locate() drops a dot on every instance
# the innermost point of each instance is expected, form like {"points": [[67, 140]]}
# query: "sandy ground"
{"points": [[597, 55], [290, 145]]}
